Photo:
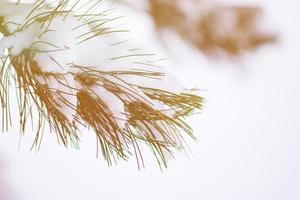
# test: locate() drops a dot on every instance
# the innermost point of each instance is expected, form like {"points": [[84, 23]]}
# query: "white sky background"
{"points": [[248, 134]]}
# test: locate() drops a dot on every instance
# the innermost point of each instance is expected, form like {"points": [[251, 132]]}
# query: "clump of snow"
{"points": [[56, 49], [19, 41], [114, 103]]}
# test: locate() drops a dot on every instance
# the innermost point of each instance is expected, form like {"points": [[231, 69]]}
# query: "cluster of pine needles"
{"points": [[145, 123], [204, 28]]}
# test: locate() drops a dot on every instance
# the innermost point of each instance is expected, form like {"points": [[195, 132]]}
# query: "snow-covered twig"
{"points": [[67, 63]]}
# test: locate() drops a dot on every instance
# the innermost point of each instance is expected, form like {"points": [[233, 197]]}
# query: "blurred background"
{"points": [[248, 133]]}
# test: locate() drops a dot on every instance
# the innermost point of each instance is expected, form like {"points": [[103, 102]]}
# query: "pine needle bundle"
{"points": [[213, 28], [68, 66]]}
